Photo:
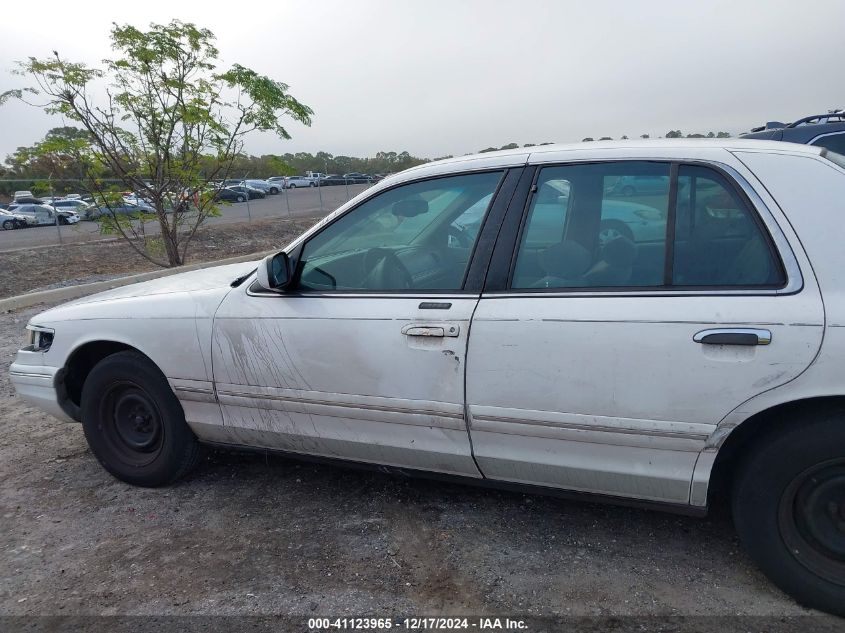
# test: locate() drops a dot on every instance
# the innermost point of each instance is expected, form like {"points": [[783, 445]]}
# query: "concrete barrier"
{"points": [[74, 292]]}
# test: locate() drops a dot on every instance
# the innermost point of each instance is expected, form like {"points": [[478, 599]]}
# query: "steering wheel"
{"points": [[384, 271]]}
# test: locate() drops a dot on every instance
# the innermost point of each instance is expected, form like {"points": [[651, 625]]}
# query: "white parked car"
{"points": [[10, 220], [671, 369], [292, 182], [44, 214]]}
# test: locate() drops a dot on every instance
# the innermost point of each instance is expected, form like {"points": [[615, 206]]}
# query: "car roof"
{"points": [[634, 149]]}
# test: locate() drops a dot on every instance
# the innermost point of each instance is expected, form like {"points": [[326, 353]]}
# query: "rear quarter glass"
{"points": [[836, 159]]}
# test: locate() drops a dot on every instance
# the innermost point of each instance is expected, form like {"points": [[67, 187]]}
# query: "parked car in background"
{"points": [[27, 200], [292, 182], [630, 185], [251, 192], [10, 220], [44, 214], [26, 193], [331, 180], [138, 201], [263, 185], [228, 194], [355, 178], [74, 204], [822, 130]]}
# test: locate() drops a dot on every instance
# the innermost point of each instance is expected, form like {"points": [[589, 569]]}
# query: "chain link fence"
{"points": [[51, 200]]}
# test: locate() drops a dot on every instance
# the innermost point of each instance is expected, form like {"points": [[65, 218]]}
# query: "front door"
{"points": [[607, 358], [364, 359]]}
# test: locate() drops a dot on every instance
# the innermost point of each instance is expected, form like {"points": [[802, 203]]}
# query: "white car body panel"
{"points": [[299, 181], [603, 392], [335, 376]]}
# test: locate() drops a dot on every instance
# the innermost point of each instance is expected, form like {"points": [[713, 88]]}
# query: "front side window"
{"points": [[417, 236]]}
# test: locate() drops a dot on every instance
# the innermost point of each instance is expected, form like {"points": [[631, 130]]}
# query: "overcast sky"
{"points": [[437, 77]]}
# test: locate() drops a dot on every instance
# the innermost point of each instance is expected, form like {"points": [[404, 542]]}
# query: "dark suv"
{"points": [[825, 130]]}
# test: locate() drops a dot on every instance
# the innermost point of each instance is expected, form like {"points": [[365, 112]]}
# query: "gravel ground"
{"points": [[251, 534]]}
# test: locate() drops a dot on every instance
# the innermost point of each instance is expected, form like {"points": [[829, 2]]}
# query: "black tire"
{"points": [[313, 184], [241, 199], [9, 225], [789, 509], [134, 424], [62, 220], [273, 190], [291, 186]]}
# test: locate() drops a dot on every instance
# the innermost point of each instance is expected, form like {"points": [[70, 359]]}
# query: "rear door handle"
{"points": [[438, 329], [733, 336]]}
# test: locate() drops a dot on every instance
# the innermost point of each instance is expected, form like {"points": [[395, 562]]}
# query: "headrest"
{"points": [[619, 252], [566, 259]]}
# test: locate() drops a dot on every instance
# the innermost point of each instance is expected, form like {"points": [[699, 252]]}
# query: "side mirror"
{"points": [[274, 272]]}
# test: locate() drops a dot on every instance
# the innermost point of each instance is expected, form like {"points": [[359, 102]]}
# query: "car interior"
{"points": [[418, 236], [577, 234]]}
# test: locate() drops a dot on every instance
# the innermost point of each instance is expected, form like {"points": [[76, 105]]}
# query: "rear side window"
{"points": [[621, 225], [718, 239], [835, 158], [596, 225]]}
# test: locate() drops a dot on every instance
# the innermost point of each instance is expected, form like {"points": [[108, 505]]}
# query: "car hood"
{"points": [[181, 295]]}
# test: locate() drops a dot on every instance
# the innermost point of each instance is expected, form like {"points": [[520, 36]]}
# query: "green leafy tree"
{"points": [[163, 119]]}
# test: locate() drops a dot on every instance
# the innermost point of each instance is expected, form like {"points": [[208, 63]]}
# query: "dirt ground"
{"points": [[24, 270]]}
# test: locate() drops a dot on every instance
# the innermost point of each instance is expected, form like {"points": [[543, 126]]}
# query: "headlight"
{"points": [[39, 339]]}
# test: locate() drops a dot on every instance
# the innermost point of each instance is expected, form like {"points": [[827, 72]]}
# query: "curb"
{"points": [[74, 292]]}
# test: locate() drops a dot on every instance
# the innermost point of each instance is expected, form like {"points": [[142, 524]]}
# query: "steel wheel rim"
{"points": [[132, 424], [811, 519]]}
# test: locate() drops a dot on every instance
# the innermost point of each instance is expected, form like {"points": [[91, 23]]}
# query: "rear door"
{"points": [[602, 362]]}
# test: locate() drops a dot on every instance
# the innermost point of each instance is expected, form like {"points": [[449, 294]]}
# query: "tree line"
{"points": [[669, 134], [50, 159]]}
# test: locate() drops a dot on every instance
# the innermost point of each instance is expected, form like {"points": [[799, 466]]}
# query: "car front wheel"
{"points": [[789, 509], [134, 424], [8, 225]]}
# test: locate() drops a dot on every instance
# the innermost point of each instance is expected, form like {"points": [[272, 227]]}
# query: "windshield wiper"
{"points": [[242, 278]]}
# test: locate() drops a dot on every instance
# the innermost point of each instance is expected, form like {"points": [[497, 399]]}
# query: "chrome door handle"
{"points": [[438, 330], [733, 336]]}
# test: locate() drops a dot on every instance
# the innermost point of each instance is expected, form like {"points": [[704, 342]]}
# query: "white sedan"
{"points": [[45, 214], [518, 345]]}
